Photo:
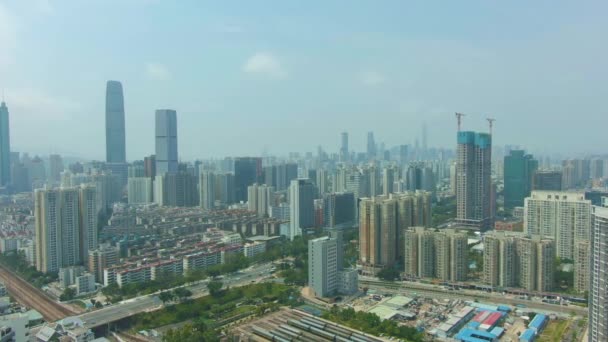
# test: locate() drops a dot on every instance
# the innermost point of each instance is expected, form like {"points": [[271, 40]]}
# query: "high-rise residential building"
{"points": [[279, 176], [388, 179], [166, 141], [419, 176], [207, 187], [116, 158], [339, 209], [150, 166], [547, 180], [139, 190], [5, 146], [89, 215], [435, 254], [344, 153], [381, 222], [224, 188], [100, 258], [473, 180], [247, 170], [136, 170], [598, 289], [260, 198], [519, 169], [109, 189], [371, 145], [55, 168], [176, 190], [66, 226], [326, 275], [518, 260], [301, 206], [562, 216], [582, 266], [322, 182]]}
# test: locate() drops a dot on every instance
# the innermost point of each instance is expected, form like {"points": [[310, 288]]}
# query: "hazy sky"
{"points": [[278, 76]]}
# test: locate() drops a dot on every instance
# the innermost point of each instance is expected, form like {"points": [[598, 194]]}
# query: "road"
{"points": [[434, 291], [151, 302], [32, 297]]}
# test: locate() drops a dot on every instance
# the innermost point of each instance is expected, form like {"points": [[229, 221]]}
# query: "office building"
{"points": [[518, 260], [323, 266], [115, 123], [440, 254], [598, 291], [325, 273], [419, 176], [473, 180], [166, 141], [547, 180], [371, 146], [109, 189], [66, 226], [139, 190], [562, 216], [247, 170], [344, 153], [5, 146], [301, 206], [260, 198], [519, 170], [115, 131], [339, 209]]}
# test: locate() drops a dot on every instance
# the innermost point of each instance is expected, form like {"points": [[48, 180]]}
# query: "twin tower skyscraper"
{"points": [[165, 137]]}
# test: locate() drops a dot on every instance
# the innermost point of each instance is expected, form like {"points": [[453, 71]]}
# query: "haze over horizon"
{"points": [[278, 77]]}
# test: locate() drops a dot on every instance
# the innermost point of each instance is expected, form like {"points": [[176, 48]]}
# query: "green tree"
{"points": [[165, 296], [215, 288], [68, 294], [388, 274], [182, 293]]}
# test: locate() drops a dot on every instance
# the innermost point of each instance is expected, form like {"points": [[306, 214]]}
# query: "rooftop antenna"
{"points": [[459, 118], [491, 123]]}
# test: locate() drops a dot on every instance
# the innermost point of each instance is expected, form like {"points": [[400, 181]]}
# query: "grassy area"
{"points": [[78, 303], [554, 331], [254, 297]]}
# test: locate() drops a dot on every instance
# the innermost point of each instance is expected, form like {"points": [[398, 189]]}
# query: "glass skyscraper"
{"points": [[115, 130], [5, 147], [519, 173], [166, 141]]}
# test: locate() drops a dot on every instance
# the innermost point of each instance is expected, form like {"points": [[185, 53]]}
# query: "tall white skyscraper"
{"points": [[259, 198], [301, 206], [166, 141]]}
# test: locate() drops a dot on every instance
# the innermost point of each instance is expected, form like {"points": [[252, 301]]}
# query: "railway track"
{"points": [[30, 296]]}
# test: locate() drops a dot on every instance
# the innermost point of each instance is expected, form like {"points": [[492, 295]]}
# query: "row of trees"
{"points": [[16, 262], [371, 324]]}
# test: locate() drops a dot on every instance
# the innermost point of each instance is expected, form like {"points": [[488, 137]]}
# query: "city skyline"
{"points": [[238, 65]]}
